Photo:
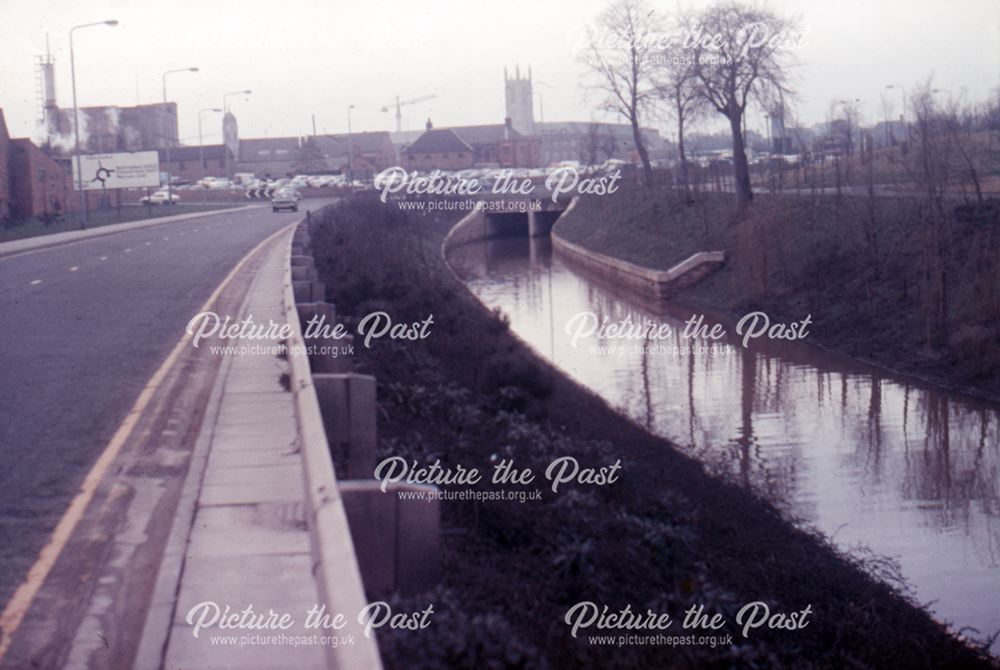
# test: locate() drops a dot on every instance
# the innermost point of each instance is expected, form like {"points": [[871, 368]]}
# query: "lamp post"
{"points": [[902, 90], [201, 148], [76, 115], [350, 147], [943, 90], [225, 109], [170, 140]]}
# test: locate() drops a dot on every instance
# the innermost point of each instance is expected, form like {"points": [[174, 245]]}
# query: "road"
{"points": [[83, 326]]}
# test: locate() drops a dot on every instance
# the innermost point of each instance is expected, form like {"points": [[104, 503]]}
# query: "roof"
{"points": [[368, 142], [438, 141], [187, 153], [486, 134]]}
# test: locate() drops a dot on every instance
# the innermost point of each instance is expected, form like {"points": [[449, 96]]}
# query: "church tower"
{"points": [[519, 101]]}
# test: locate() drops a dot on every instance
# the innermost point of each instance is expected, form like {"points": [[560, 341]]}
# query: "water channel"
{"points": [[868, 458]]}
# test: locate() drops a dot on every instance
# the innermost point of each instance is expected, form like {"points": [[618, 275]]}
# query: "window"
{"points": [[222, 163]]}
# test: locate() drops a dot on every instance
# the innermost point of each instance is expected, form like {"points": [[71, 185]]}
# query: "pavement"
{"points": [[240, 538], [101, 443]]}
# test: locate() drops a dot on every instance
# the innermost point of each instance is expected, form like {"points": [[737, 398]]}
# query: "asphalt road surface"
{"points": [[83, 326]]}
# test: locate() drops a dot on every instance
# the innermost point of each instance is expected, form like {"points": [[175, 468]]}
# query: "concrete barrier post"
{"points": [[318, 290], [304, 273], [397, 541], [302, 290], [347, 403]]}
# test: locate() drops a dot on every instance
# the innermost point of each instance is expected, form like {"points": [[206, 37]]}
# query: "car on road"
{"points": [[159, 198], [286, 198]]}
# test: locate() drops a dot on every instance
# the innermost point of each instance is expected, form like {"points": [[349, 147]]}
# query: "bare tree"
{"points": [[599, 145], [620, 52], [740, 55], [680, 89]]}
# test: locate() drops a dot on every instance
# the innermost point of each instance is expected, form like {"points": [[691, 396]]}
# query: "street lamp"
{"points": [[201, 147], [76, 114], [902, 90], [350, 147], [943, 90], [225, 108], [170, 186]]}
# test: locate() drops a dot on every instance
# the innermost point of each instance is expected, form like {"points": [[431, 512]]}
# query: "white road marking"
{"points": [[148, 243], [128, 250], [36, 281], [74, 268], [104, 258]]}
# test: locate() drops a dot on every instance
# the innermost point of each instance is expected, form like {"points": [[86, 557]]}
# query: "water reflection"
{"points": [[868, 458]]}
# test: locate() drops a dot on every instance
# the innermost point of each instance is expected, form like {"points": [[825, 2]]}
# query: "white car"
{"points": [[160, 198]]}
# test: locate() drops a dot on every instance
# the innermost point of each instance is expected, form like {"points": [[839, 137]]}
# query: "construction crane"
{"points": [[399, 104]]}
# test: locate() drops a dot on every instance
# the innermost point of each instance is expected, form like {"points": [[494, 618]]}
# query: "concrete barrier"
{"points": [[348, 407], [335, 563], [397, 541]]}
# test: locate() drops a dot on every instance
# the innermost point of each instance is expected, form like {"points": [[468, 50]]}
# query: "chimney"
{"points": [[429, 124], [508, 126]]}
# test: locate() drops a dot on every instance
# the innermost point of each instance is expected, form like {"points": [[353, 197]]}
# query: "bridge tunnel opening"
{"points": [[521, 224], [507, 224]]}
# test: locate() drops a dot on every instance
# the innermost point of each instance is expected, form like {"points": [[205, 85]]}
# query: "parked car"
{"points": [[159, 198], [286, 198]]}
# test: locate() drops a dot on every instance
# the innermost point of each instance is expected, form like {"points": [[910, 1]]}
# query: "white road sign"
{"points": [[126, 170]]}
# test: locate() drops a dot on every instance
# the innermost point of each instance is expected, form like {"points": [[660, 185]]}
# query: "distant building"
{"points": [[268, 156], [519, 101], [282, 156], [31, 183], [591, 143], [459, 147], [438, 149], [369, 153], [38, 184], [4, 169], [192, 163], [111, 129]]}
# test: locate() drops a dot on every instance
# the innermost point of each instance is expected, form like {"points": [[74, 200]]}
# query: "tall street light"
{"points": [[170, 185], [943, 90], [350, 147], [201, 148], [225, 108], [76, 114], [902, 90]]}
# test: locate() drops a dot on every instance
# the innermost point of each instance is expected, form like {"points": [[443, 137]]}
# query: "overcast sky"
{"points": [[304, 57]]}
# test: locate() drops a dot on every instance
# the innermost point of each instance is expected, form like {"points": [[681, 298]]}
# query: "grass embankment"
{"points": [[893, 281], [36, 226], [664, 536]]}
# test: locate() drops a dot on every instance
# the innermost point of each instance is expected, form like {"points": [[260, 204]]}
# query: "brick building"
{"points": [[31, 183], [439, 149], [495, 145]]}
